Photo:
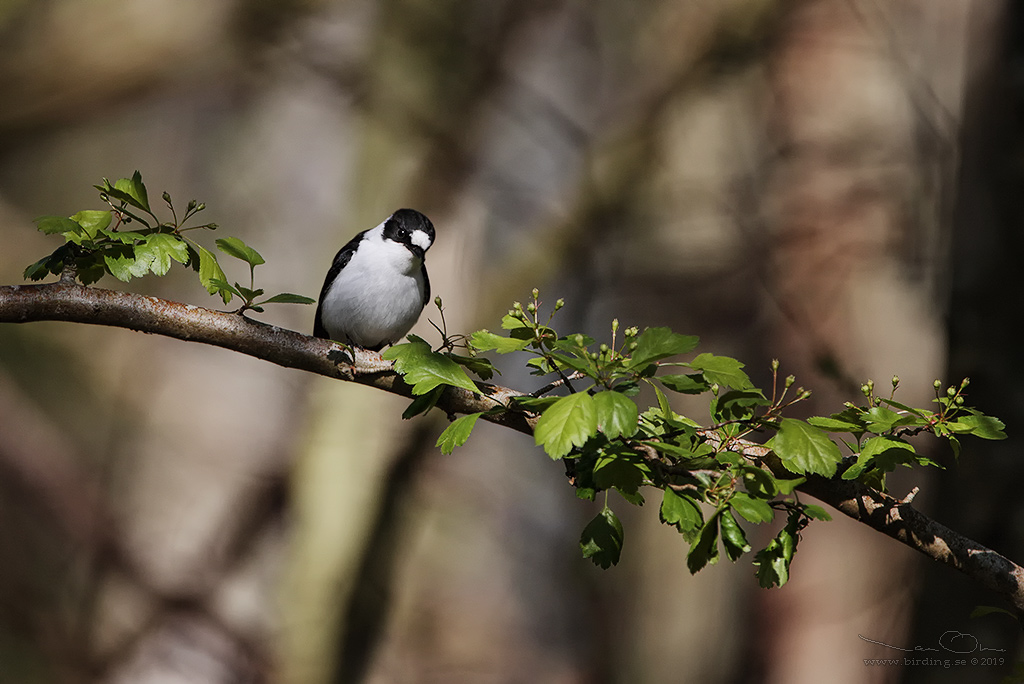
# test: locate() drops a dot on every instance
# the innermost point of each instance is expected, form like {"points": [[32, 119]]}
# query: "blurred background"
{"points": [[834, 183]]}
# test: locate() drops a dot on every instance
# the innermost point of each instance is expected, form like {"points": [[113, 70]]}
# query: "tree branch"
{"points": [[75, 303], [79, 304]]}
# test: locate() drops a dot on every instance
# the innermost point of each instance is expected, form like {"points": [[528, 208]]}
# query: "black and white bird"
{"points": [[377, 286]]}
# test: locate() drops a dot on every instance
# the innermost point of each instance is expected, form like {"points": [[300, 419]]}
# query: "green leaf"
{"points": [[456, 434], [211, 275], [685, 384], [232, 246], [721, 370], [680, 511], [535, 404], [803, 448], [484, 340], [666, 408], [884, 453], [737, 404], [125, 264], [758, 482], [126, 237], [425, 369], [510, 322], [134, 190], [601, 540], [786, 487], [704, 551], [816, 512], [421, 404], [52, 225], [619, 470], [159, 248], [38, 270], [92, 221], [570, 421], [881, 420], [754, 510], [685, 452], [583, 365], [659, 343], [836, 423], [289, 298], [979, 425], [90, 269], [616, 414], [772, 562], [247, 294], [479, 365], [224, 286], [733, 538]]}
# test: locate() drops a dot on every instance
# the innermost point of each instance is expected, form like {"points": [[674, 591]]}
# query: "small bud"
{"points": [[516, 306], [437, 301], [775, 365], [790, 380], [200, 206], [632, 331], [191, 205], [950, 391], [849, 405], [615, 325], [937, 384], [536, 293], [604, 348], [578, 340], [559, 304], [633, 346], [959, 401], [865, 390], [167, 197], [965, 382], [895, 380], [531, 307]]}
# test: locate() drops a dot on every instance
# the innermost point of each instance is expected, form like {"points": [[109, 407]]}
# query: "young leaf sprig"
{"points": [[129, 240]]}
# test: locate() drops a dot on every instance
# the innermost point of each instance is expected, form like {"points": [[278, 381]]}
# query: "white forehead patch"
{"points": [[420, 239]]}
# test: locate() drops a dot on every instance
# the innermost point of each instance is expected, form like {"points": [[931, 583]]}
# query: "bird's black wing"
{"points": [[341, 259], [426, 286]]}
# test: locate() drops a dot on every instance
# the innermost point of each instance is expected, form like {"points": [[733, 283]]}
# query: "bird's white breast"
{"points": [[377, 296]]}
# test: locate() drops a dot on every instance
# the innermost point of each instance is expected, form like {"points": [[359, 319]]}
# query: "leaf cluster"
{"points": [[128, 240], [710, 484]]}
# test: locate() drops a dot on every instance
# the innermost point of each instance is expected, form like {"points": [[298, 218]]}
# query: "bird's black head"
{"points": [[410, 228]]}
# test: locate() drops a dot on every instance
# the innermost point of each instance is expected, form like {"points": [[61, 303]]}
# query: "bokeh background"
{"points": [[834, 183]]}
